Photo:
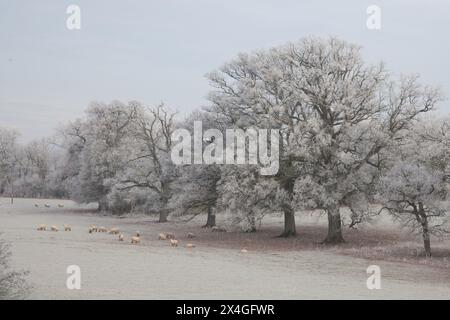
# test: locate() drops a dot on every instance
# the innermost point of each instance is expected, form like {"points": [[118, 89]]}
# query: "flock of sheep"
{"points": [[48, 205], [43, 227], [136, 239]]}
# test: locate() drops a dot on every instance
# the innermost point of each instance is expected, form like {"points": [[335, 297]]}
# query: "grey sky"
{"points": [[156, 51]]}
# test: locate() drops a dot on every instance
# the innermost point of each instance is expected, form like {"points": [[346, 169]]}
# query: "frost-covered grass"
{"points": [[273, 267], [382, 239]]}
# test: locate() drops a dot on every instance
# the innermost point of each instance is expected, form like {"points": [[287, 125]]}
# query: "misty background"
{"points": [[155, 51]]}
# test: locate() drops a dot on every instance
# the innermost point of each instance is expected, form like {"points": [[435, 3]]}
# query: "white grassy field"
{"points": [[215, 269]]}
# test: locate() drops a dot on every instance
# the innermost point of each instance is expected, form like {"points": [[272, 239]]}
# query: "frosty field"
{"points": [[214, 269]]}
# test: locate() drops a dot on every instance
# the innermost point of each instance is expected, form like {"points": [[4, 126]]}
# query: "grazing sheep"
{"points": [[170, 235], [190, 246], [135, 240], [54, 228], [102, 229], [162, 236], [191, 235], [114, 231], [36, 205], [67, 227], [47, 205], [173, 243], [218, 229], [92, 228], [60, 205], [42, 227], [121, 237]]}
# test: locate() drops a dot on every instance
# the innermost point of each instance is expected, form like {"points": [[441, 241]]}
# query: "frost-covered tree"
{"points": [[431, 144], [98, 150], [415, 184], [148, 163], [55, 182], [119, 156], [28, 170], [12, 283], [33, 170], [8, 160], [336, 114], [197, 185], [196, 192], [72, 138], [415, 196], [248, 94], [248, 196]]}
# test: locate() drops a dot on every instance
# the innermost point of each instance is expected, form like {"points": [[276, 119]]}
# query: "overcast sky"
{"points": [[155, 51]]}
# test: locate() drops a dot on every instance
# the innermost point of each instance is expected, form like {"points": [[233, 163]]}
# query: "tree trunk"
{"points": [[289, 215], [164, 198], [163, 214], [211, 220], [12, 191], [334, 226], [102, 204], [426, 243], [425, 231], [289, 223]]}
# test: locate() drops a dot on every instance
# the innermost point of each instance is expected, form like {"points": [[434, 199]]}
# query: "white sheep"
{"points": [[121, 237], [42, 227], [170, 235], [67, 227], [47, 205], [114, 231], [102, 229], [243, 250], [190, 245], [173, 243], [135, 239], [54, 228], [162, 236], [190, 235]]}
